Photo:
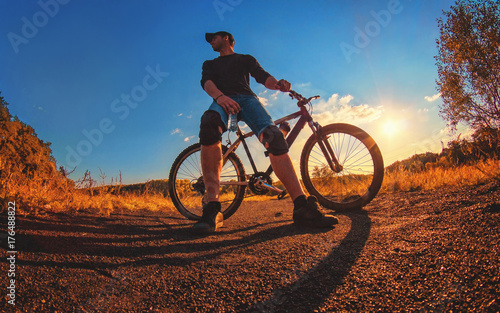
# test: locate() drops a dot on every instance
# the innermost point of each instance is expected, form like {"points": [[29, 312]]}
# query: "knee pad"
{"points": [[211, 128], [273, 140]]}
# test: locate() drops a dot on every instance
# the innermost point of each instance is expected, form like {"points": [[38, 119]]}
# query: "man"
{"points": [[227, 80]]}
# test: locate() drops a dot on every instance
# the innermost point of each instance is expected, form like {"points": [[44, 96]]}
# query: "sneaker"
{"points": [[308, 215], [211, 220]]}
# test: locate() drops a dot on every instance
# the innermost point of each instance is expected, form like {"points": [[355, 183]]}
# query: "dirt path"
{"points": [[419, 251]]}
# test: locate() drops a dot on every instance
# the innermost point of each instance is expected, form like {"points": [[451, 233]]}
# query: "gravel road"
{"points": [[427, 251]]}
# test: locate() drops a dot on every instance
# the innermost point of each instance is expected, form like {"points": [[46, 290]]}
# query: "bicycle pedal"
{"points": [[282, 195]]}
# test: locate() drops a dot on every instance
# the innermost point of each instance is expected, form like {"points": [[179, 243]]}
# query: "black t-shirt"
{"points": [[231, 73]]}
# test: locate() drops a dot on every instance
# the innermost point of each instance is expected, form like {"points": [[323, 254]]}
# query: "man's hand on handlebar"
{"points": [[302, 100], [283, 85]]}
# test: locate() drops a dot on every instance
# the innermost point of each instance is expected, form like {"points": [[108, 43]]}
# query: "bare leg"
{"points": [[283, 168], [211, 165], [306, 213]]}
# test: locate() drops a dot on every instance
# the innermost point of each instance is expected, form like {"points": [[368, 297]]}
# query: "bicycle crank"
{"points": [[260, 184]]}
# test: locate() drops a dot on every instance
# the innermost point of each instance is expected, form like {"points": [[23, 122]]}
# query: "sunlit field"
{"points": [[342, 188], [36, 195], [434, 177]]}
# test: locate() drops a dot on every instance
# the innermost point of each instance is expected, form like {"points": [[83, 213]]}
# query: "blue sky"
{"points": [[115, 85]]}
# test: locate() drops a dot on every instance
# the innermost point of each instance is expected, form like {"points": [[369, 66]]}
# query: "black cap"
{"points": [[210, 36]]}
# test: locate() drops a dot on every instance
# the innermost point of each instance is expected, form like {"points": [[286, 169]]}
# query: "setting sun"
{"points": [[390, 128]]}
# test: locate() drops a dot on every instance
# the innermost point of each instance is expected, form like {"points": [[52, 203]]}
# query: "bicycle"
{"points": [[340, 164]]}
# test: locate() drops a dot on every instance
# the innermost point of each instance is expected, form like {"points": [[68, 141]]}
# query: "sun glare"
{"points": [[390, 128]]}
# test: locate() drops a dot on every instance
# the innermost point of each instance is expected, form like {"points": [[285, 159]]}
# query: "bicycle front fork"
{"points": [[326, 148]]}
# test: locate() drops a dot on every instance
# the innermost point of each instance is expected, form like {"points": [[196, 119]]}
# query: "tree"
{"points": [[468, 63], [486, 142], [28, 173], [4, 111]]}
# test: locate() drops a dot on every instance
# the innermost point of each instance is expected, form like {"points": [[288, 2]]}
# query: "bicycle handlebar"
{"points": [[301, 99]]}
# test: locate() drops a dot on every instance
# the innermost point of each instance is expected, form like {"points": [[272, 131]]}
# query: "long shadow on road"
{"points": [[76, 236], [310, 291], [68, 237]]}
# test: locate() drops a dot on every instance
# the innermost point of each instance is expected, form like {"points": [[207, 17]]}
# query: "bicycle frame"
{"points": [[305, 118]]}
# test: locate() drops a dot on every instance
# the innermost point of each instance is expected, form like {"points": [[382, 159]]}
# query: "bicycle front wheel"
{"points": [[187, 189], [362, 167]]}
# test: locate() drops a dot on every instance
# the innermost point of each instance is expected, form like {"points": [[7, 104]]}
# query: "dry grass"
{"points": [[73, 201], [35, 194], [437, 177], [51, 194], [108, 203]]}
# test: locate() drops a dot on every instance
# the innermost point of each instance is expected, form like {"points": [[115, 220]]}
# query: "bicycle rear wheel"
{"points": [[187, 189], [362, 168]]}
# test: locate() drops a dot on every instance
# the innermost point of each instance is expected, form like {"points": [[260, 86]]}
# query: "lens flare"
{"points": [[390, 128]]}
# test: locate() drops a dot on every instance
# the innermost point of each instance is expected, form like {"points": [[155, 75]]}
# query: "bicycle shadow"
{"points": [[91, 235], [88, 236], [313, 288], [172, 244]]}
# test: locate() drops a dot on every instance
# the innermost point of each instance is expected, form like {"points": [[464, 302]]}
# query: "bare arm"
{"points": [[282, 85], [228, 104], [211, 89]]}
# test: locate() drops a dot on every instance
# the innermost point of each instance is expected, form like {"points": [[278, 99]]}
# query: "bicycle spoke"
{"points": [[188, 188], [357, 172]]}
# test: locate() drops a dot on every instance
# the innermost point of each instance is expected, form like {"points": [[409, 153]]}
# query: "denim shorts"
{"points": [[252, 113]]}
